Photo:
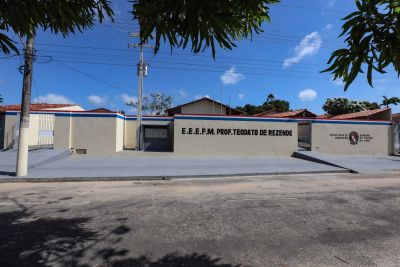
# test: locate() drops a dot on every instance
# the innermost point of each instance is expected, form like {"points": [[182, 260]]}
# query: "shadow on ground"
{"points": [[169, 260], [30, 241], [26, 240]]}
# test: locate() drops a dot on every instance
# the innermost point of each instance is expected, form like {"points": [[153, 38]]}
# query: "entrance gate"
{"points": [[46, 130], [396, 139], [155, 138], [304, 135]]}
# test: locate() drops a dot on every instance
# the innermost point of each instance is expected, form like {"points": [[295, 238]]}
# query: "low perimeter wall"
{"points": [[352, 137], [95, 134], [234, 136]]}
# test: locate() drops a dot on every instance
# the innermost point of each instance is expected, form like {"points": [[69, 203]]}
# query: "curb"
{"points": [[155, 178]]}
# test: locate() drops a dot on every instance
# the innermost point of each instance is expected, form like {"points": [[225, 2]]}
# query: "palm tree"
{"points": [[390, 101], [1, 99]]}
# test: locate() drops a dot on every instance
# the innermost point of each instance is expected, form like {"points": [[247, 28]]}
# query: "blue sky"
{"points": [[97, 69]]}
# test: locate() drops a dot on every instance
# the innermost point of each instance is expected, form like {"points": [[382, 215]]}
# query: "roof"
{"points": [[177, 109], [361, 115], [101, 110], [396, 117], [324, 116], [293, 113], [267, 113], [36, 106]]}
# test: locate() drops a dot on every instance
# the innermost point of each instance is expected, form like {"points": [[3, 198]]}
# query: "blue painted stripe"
{"points": [[354, 122], [150, 119], [11, 113], [234, 119], [89, 115]]}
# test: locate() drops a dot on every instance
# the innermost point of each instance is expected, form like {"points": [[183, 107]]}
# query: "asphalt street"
{"points": [[296, 220]]}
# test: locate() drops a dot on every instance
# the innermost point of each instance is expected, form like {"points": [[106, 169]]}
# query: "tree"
{"points": [[156, 104], [1, 99], [270, 104], [62, 16], [250, 109], [275, 104], [201, 24], [390, 101], [373, 39], [339, 106], [24, 18]]}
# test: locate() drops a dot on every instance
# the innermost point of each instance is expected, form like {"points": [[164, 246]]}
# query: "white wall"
{"points": [[334, 138], [203, 107], [220, 137]]}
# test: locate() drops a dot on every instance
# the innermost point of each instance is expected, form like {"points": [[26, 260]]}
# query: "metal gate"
{"points": [[304, 135], [155, 138], [396, 139], [46, 130]]}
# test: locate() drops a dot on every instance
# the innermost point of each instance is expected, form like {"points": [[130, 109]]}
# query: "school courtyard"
{"points": [[337, 219]]}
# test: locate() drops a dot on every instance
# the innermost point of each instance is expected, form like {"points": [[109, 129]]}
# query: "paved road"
{"points": [[319, 220]]}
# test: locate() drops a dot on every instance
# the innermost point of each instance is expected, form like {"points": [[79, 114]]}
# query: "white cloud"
{"points": [[330, 3], [231, 76], [53, 99], [182, 93], [310, 45], [127, 98], [327, 27], [201, 96], [97, 100], [307, 95], [241, 96]]}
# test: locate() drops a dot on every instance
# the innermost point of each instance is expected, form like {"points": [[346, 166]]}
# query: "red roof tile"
{"points": [[292, 114], [324, 116], [38, 106], [360, 115], [267, 113]]}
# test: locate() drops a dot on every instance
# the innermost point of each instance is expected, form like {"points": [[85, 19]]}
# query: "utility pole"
{"points": [[141, 72], [22, 156]]}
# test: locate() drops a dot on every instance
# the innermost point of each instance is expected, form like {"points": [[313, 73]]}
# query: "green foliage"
{"points": [[1, 99], [339, 106], [61, 16], [156, 104], [201, 24], [390, 101], [250, 109], [275, 104], [373, 39], [270, 104]]}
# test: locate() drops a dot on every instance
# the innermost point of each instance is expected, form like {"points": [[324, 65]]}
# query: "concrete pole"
{"points": [[22, 156], [139, 105]]}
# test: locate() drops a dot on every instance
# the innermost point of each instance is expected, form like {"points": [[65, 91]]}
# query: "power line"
{"points": [[90, 76]]}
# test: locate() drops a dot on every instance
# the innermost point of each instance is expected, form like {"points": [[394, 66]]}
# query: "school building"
{"points": [[204, 127]]}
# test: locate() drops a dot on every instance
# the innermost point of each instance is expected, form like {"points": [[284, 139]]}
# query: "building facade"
{"points": [[188, 131]]}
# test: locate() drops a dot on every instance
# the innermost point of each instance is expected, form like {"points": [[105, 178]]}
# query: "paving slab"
{"points": [[166, 166], [362, 164]]}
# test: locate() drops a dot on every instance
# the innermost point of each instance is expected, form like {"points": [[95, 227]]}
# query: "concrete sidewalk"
{"points": [[361, 164], [156, 167]]}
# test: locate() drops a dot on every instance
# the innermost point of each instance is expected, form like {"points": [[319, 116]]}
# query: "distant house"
{"points": [[300, 113], [203, 106], [101, 110], [396, 117], [376, 114], [324, 116], [267, 113]]}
